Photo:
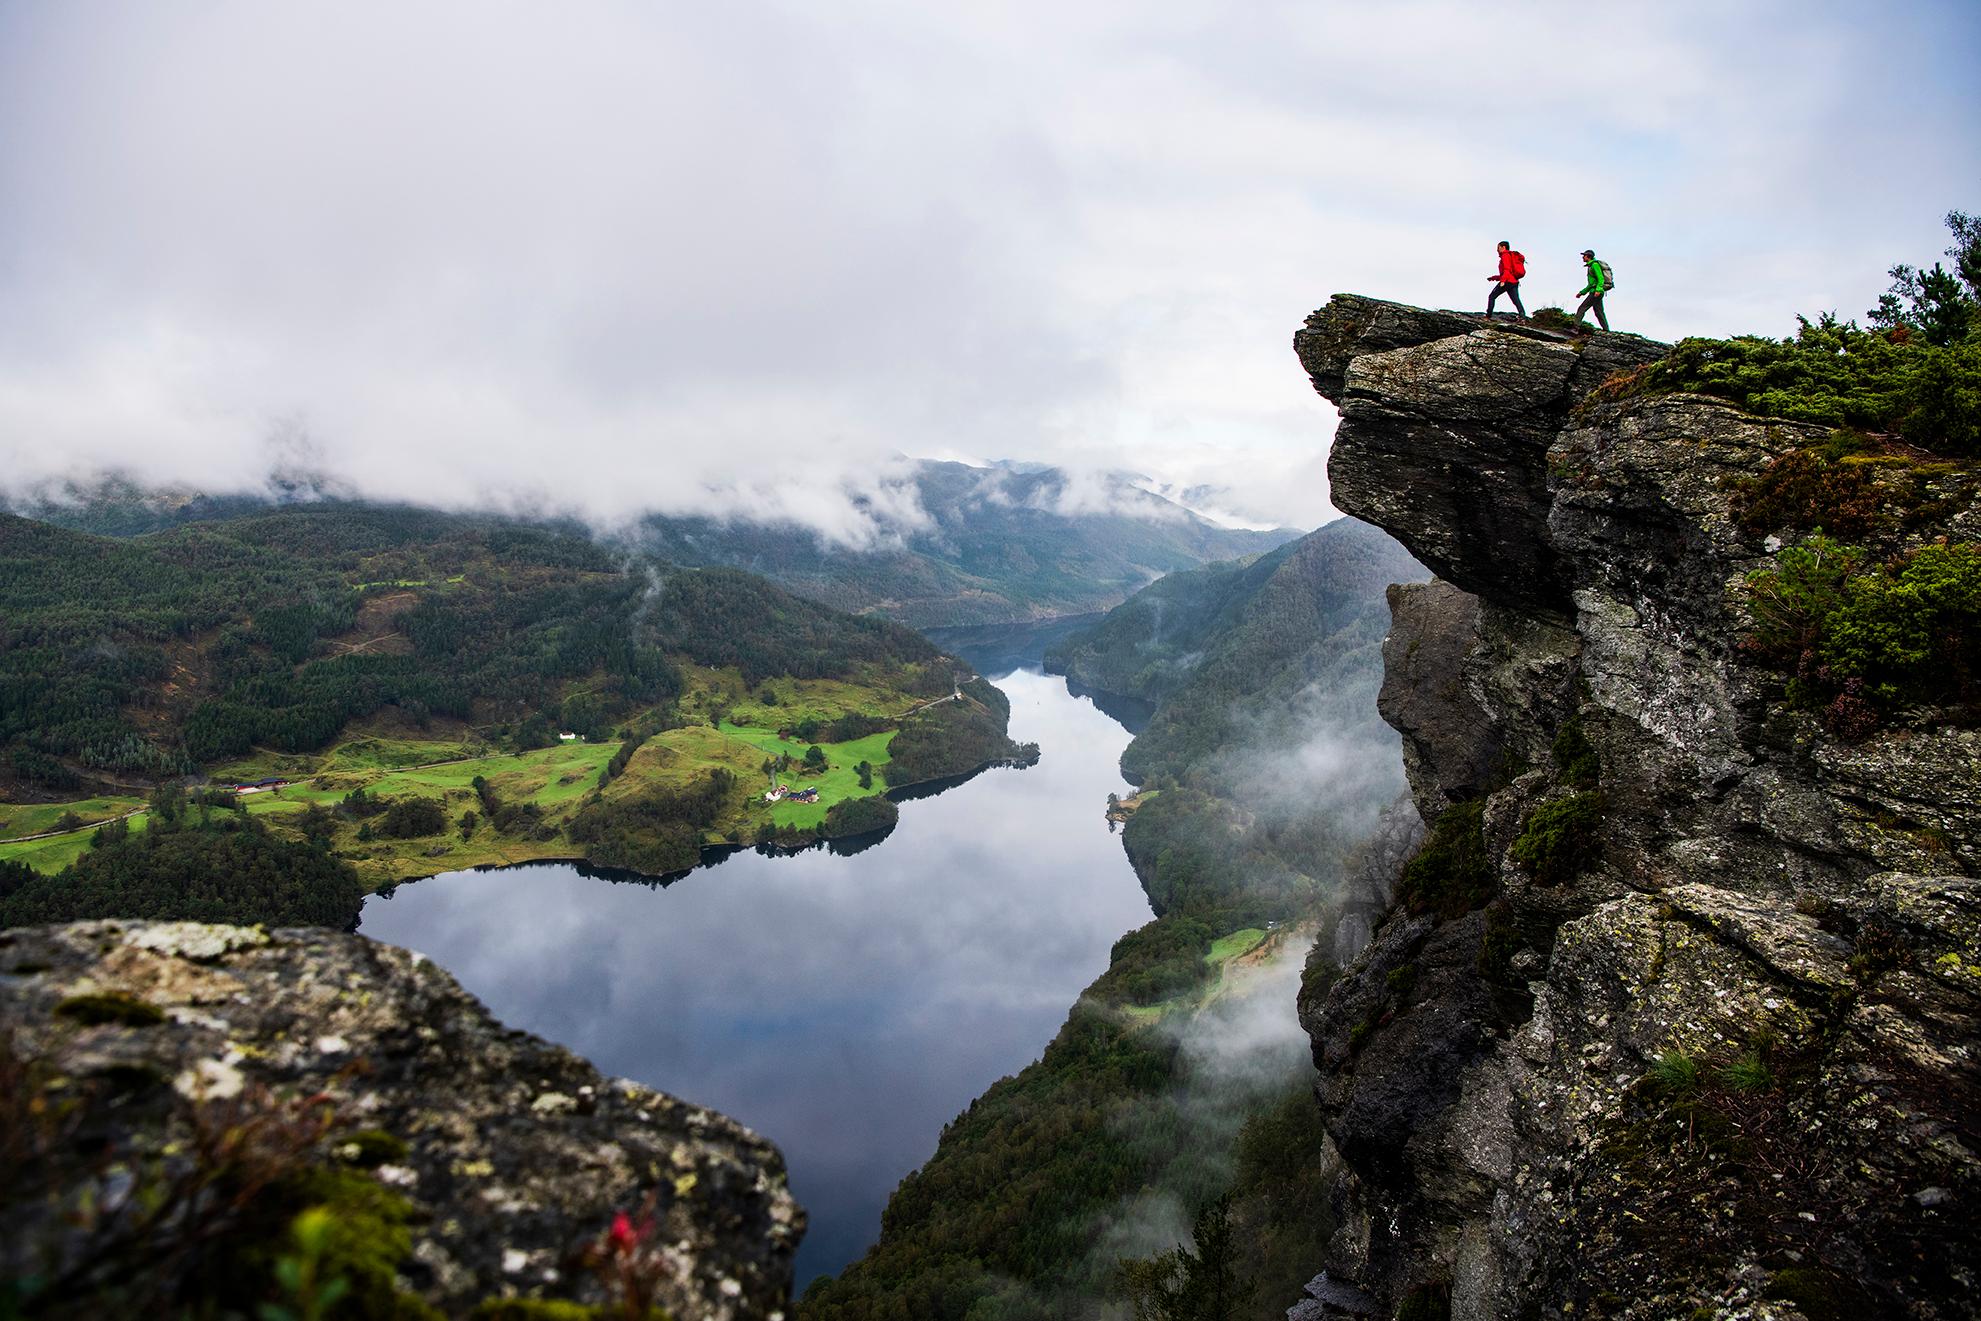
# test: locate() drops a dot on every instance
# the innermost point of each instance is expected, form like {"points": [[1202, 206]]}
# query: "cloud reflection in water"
{"points": [[845, 1007]]}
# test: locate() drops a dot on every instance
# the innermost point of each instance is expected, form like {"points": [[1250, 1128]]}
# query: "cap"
{"points": [[1588, 252]]}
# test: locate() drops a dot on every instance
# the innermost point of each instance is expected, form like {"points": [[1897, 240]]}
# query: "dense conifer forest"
{"points": [[158, 655], [201, 868]]}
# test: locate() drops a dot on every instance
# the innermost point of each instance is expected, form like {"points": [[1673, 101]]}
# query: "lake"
{"points": [[845, 1006]]}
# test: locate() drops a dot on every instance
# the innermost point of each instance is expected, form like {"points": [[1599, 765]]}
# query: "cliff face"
{"points": [[176, 1058], [1704, 1037]]}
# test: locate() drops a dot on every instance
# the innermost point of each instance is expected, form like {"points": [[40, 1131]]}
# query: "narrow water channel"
{"points": [[847, 1007]]}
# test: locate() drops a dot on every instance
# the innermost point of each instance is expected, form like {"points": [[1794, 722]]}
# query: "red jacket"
{"points": [[1509, 273]]}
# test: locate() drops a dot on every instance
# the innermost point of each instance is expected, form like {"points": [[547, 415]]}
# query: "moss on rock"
{"points": [[1561, 839], [1450, 874]]}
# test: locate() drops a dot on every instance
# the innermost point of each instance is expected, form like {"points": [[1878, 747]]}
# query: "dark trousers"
{"points": [[1511, 290], [1594, 301]]}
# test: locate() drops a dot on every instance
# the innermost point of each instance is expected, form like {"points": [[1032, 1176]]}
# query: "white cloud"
{"points": [[613, 256]]}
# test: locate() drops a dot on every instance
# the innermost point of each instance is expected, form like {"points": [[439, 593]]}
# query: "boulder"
{"points": [[512, 1155]]}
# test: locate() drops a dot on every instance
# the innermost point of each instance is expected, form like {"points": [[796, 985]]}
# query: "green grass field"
{"points": [[1222, 951], [1235, 944], [557, 779], [406, 582], [838, 782], [18, 819], [820, 699], [357, 752], [51, 855]]}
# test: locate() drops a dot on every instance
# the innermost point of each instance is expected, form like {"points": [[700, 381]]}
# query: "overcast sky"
{"points": [[732, 256]]}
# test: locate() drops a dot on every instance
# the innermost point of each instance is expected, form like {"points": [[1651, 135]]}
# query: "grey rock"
{"points": [[1445, 424], [516, 1152], [1425, 695], [1328, 1297], [1758, 887]]}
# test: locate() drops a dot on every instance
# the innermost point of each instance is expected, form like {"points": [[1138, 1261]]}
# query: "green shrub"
{"points": [[1864, 640], [1317, 976], [1835, 374], [363, 1239], [371, 1147], [1450, 874], [1561, 839], [861, 816], [1575, 757], [536, 1309], [1911, 634], [1676, 1074], [1943, 412], [1793, 601], [411, 818], [1749, 1073]]}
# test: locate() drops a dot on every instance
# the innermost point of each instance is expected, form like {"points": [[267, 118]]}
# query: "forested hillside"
{"points": [[1001, 544], [1265, 761], [156, 655], [1153, 642], [412, 692], [1264, 775]]}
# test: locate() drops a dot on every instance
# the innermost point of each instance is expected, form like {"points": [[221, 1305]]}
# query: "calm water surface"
{"points": [[845, 1007]]}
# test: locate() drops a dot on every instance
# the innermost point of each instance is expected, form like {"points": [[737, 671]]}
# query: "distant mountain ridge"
{"points": [[1253, 630], [1009, 542]]}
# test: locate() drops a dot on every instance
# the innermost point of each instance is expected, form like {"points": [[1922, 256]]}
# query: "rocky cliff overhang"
{"points": [[514, 1153], [1743, 889], [1446, 420]]}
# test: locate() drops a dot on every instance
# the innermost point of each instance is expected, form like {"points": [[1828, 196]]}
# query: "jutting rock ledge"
{"points": [[513, 1153], [1690, 1029]]}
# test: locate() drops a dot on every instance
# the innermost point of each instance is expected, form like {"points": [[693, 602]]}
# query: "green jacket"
{"points": [[1596, 284]]}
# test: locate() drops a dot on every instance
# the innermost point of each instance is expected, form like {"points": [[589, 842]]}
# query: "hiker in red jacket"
{"points": [[1512, 267]]}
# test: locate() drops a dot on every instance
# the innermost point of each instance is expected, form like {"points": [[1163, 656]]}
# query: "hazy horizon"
{"points": [[608, 259]]}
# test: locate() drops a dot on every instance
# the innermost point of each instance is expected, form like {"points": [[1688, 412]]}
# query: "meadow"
{"points": [[738, 730]]}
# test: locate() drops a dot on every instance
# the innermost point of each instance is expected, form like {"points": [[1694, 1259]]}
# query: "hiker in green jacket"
{"points": [[1593, 291]]}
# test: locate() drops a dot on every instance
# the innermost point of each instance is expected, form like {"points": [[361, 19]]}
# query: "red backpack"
{"points": [[1519, 264]]}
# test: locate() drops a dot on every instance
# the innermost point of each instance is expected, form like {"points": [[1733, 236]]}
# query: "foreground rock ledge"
{"points": [[517, 1151]]}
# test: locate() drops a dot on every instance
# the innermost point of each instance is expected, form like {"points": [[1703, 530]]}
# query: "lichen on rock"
{"points": [[335, 1058]]}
